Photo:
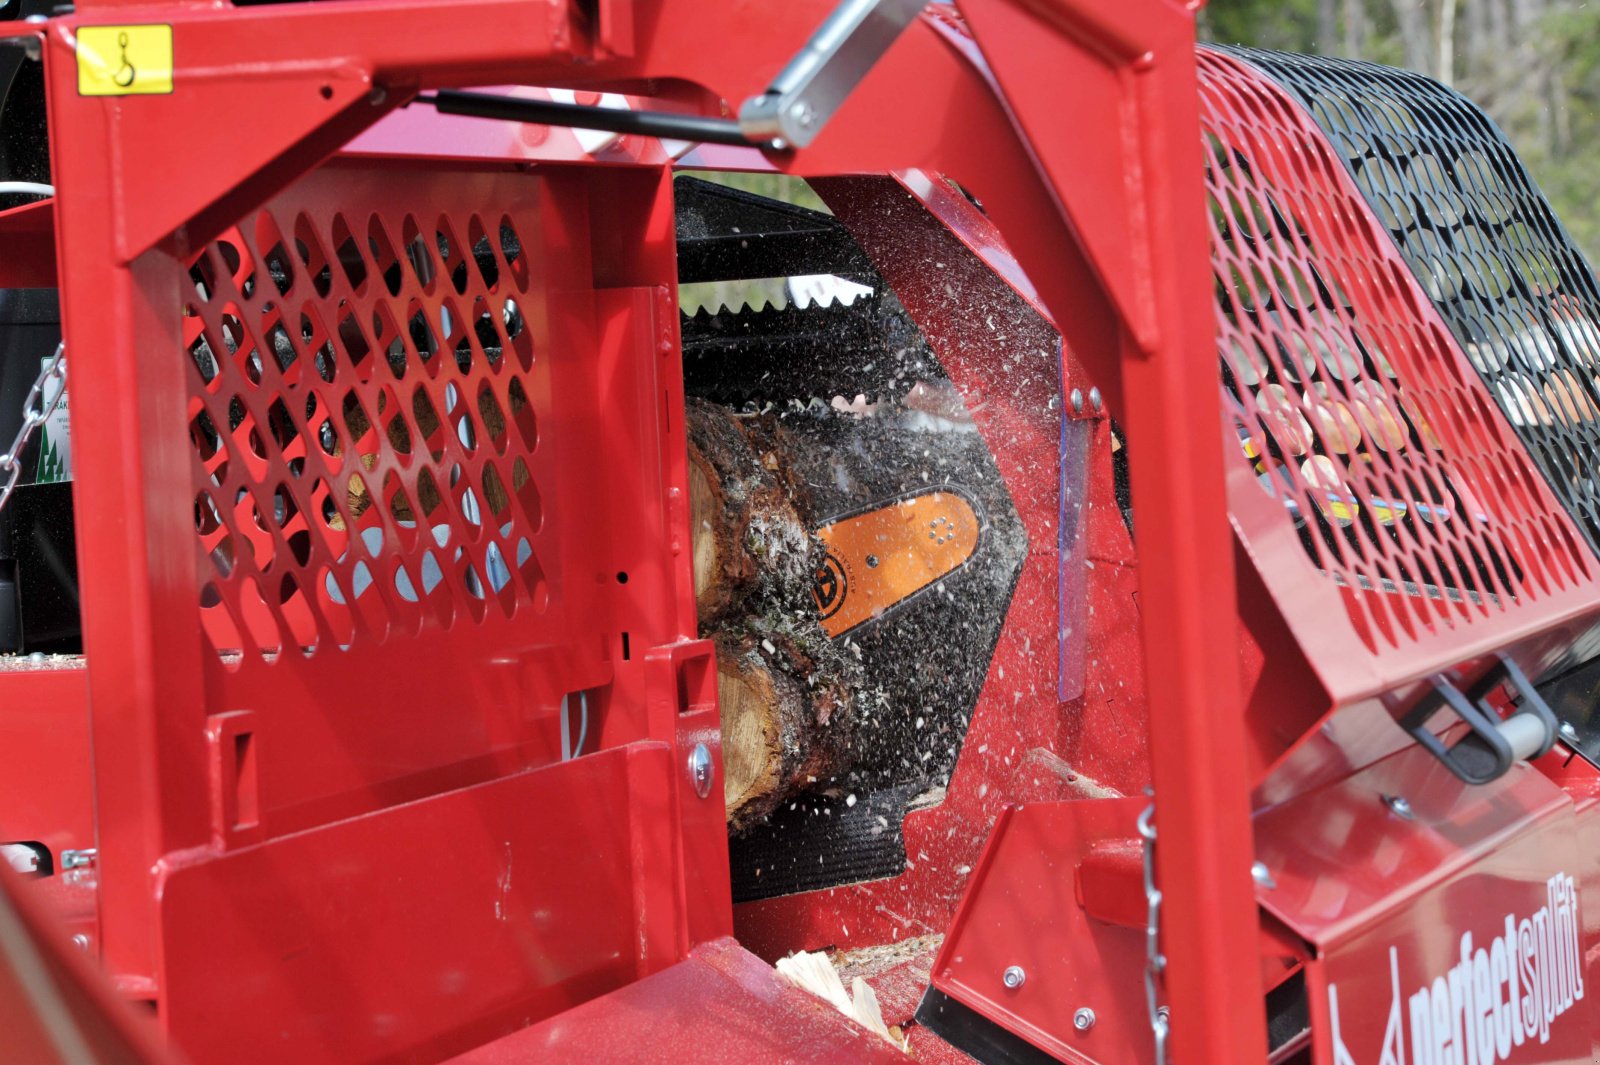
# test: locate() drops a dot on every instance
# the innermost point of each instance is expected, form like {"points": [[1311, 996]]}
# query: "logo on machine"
{"points": [[831, 586], [1499, 996]]}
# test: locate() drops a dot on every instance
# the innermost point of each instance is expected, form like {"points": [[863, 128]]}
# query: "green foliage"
{"points": [[714, 295], [1534, 66], [1288, 25]]}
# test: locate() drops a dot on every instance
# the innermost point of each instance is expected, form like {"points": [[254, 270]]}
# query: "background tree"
{"points": [[1533, 65]]}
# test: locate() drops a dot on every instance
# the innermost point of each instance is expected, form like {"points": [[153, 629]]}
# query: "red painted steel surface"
{"points": [[1022, 910], [54, 1006], [428, 928], [721, 1006], [1022, 744], [343, 755], [29, 235], [1133, 207], [1399, 910], [1378, 481], [45, 795], [493, 354]]}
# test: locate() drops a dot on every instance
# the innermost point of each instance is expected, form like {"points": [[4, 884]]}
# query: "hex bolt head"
{"points": [[1400, 807], [700, 769], [1013, 977], [1083, 1019]]}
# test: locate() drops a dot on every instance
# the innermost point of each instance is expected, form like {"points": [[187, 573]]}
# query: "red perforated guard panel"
{"points": [[399, 460], [1373, 467]]}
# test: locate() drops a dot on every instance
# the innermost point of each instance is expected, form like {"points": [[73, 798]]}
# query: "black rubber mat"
{"points": [[821, 841]]}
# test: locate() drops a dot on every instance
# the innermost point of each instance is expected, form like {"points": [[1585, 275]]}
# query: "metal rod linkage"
{"points": [[670, 125]]}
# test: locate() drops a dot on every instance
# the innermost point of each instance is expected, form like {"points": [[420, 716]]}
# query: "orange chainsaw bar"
{"points": [[882, 557]]}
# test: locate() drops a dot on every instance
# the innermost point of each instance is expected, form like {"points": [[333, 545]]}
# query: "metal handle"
{"points": [[1492, 744], [807, 92]]}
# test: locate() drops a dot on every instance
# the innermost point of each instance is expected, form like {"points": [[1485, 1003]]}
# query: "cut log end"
{"points": [[787, 695], [750, 755]]}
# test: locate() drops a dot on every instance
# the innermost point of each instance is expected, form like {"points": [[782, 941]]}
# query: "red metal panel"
{"points": [[1019, 745], [1405, 911], [45, 792], [427, 928], [1131, 71], [1132, 92], [45, 795], [1021, 910], [29, 235], [722, 1006], [371, 419], [1378, 483], [54, 1005]]}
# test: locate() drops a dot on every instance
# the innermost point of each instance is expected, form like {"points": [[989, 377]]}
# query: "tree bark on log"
{"points": [[789, 696]]}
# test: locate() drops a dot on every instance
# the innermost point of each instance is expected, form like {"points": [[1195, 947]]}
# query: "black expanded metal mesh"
{"points": [[1484, 243]]}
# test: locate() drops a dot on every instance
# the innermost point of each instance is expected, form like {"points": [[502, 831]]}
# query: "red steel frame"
{"points": [[1105, 212]]}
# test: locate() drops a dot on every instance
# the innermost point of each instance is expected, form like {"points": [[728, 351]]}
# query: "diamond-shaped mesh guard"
{"points": [[1350, 402], [1485, 244], [362, 422]]}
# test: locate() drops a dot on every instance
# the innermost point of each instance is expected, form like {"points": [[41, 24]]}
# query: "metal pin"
{"points": [[1400, 807], [700, 769]]}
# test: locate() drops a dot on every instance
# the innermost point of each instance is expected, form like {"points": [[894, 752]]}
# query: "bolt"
{"points": [[1398, 806], [80, 941], [803, 114], [1094, 398], [1083, 1020], [1076, 399], [1262, 875], [1013, 977], [77, 859], [700, 769], [1568, 731], [872, 561]]}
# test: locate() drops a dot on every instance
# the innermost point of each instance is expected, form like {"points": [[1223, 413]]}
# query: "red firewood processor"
{"points": [[667, 531]]}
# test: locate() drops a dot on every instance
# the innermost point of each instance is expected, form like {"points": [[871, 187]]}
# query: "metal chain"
{"points": [[1155, 963], [35, 410]]}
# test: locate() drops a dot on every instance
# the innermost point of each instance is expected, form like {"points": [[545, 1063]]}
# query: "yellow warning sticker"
{"points": [[124, 60]]}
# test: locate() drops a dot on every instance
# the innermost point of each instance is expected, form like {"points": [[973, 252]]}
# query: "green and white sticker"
{"points": [[55, 443]]}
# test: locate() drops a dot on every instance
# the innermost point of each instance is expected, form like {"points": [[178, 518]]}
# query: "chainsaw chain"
{"points": [[782, 355]]}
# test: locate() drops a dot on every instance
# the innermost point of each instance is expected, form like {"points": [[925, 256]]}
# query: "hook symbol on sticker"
{"points": [[125, 73]]}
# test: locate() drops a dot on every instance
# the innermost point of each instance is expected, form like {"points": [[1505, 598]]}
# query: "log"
{"points": [[789, 696], [746, 529], [787, 721]]}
